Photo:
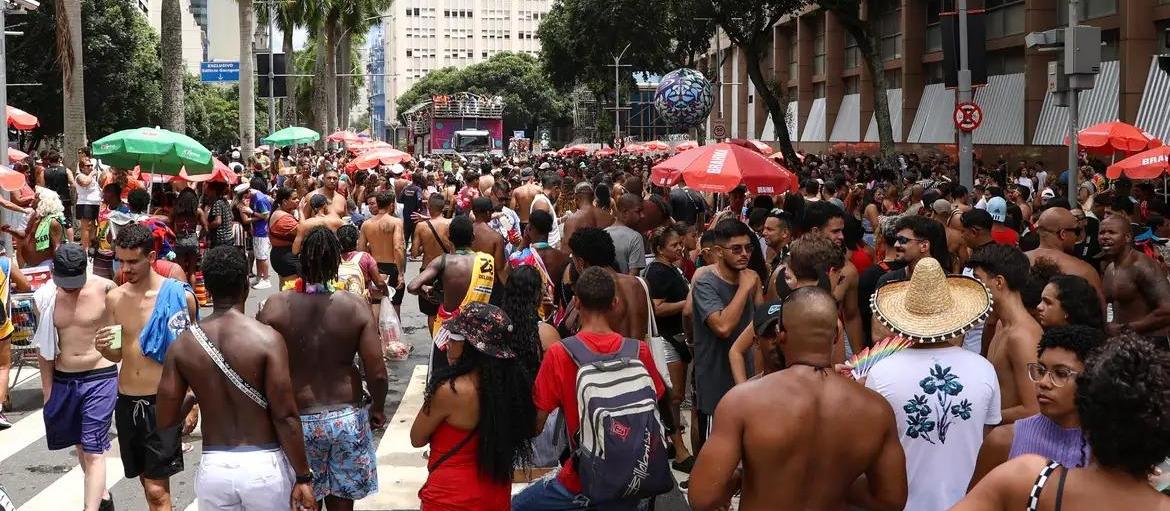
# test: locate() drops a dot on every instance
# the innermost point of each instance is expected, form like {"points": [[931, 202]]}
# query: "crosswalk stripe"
{"points": [[67, 492], [22, 434], [401, 468]]}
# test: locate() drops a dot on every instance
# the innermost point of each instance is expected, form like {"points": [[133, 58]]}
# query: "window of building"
{"points": [[933, 25], [1005, 62], [819, 46], [852, 53], [1109, 44], [485, 54], [793, 65], [1090, 9], [893, 79], [409, 53], [933, 72], [853, 85], [1004, 18], [1098, 8], [819, 90], [890, 30]]}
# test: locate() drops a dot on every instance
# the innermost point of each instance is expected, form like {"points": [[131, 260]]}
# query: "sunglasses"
{"points": [[902, 240], [737, 249]]}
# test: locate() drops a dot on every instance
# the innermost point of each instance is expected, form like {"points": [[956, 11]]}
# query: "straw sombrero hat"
{"points": [[932, 306]]}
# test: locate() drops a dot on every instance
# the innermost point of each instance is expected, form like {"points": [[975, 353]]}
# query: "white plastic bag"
{"points": [[390, 330]]}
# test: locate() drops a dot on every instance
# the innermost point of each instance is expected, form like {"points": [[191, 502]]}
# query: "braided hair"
{"points": [[320, 256]]}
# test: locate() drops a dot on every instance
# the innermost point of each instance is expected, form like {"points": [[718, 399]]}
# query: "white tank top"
{"points": [[554, 237], [92, 194]]}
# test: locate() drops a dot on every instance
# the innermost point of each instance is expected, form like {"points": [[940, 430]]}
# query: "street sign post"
{"points": [[967, 116], [718, 128], [219, 71]]}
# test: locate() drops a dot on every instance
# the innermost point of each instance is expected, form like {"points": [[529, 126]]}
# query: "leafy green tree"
{"points": [[579, 38], [530, 100], [748, 24], [848, 13], [120, 52]]}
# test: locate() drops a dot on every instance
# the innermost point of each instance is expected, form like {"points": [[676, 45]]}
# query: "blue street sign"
{"points": [[219, 71]]}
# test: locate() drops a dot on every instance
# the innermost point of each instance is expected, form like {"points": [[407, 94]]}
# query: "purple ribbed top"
{"points": [[1040, 435]]}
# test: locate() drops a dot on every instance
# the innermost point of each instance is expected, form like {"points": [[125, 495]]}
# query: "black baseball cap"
{"points": [[767, 315], [69, 265]]}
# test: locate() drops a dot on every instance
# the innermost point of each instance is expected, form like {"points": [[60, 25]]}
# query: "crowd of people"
{"points": [[595, 336]]}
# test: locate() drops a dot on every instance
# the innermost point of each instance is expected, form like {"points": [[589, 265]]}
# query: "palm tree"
{"points": [[171, 49], [69, 57], [247, 80]]}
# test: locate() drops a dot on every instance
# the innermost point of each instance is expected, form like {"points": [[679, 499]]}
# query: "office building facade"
{"points": [[830, 98]]}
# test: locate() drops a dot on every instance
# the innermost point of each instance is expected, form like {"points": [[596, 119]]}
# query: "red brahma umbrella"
{"points": [[1144, 165], [754, 145], [1108, 137], [361, 146], [380, 157], [722, 167], [16, 155], [605, 151], [20, 119], [655, 146], [686, 146], [220, 172], [634, 149], [579, 149], [344, 136]]}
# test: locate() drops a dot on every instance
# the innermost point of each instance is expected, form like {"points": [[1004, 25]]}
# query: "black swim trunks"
{"points": [[146, 451], [390, 270]]}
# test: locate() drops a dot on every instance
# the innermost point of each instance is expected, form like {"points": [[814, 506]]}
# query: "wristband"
{"points": [[305, 478]]}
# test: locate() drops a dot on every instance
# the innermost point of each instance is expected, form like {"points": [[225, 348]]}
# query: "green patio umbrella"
{"points": [[291, 135], [155, 150]]}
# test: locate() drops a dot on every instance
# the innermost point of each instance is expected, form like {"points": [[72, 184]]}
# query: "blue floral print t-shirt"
{"points": [[942, 399]]}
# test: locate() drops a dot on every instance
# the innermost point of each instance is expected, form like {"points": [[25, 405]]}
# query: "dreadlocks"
{"points": [[320, 256]]}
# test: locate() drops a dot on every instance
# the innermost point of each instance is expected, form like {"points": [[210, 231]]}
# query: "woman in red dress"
{"points": [[477, 416]]}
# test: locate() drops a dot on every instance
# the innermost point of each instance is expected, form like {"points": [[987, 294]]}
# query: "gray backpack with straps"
{"points": [[620, 448]]}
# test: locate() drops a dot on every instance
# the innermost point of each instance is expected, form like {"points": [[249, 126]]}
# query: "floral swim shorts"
{"points": [[340, 449]]}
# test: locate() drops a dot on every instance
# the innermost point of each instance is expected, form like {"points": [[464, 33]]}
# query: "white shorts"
{"points": [[254, 480], [671, 353], [261, 247]]}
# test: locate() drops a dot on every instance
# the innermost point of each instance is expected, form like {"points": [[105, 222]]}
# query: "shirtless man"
{"points": [[454, 280], [1134, 285], [554, 260], [587, 215], [336, 200], [1021, 195], [256, 446], [942, 211], [79, 386], [430, 241], [959, 198], [827, 219], [487, 240], [787, 426], [486, 182], [1059, 230], [328, 387], [149, 453], [320, 217], [1004, 270], [383, 236], [594, 247], [523, 195]]}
